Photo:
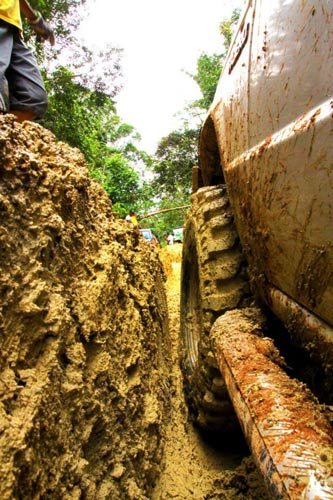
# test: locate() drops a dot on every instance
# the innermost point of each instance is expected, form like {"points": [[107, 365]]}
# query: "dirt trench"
{"points": [[91, 402], [194, 466]]}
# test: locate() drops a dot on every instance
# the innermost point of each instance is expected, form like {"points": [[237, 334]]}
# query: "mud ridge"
{"points": [[84, 386]]}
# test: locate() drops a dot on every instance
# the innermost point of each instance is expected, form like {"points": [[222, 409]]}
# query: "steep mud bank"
{"points": [[83, 332]]}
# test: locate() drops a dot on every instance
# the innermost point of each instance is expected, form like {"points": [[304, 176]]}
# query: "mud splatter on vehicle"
{"points": [[258, 244]]}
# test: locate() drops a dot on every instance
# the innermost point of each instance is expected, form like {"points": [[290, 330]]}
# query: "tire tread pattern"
{"points": [[211, 238]]}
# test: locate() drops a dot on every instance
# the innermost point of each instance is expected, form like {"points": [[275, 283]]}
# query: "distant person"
{"points": [[22, 90], [156, 240], [170, 239], [132, 217]]}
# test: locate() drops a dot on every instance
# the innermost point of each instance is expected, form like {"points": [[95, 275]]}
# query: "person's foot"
{"points": [[22, 116]]}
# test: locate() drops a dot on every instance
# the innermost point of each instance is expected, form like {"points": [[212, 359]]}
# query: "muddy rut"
{"points": [[196, 466]]}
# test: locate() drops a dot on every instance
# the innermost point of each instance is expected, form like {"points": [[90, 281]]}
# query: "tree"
{"points": [[119, 179], [208, 73], [209, 67], [176, 155], [82, 111], [75, 114], [227, 28], [64, 17], [87, 119]]}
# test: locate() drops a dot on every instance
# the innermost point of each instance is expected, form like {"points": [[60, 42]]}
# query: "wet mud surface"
{"points": [[83, 332], [91, 402], [196, 466]]}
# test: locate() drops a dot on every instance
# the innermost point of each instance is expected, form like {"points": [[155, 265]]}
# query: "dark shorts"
{"points": [[21, 84]]}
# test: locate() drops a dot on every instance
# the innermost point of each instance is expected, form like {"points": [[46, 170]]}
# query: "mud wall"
{"points": [[83, 332]]}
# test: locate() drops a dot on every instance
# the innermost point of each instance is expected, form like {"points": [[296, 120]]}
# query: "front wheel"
{"points": [[214, 280]]}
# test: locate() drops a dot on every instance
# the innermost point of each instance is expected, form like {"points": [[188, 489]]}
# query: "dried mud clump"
{"points": [[83, 332]]}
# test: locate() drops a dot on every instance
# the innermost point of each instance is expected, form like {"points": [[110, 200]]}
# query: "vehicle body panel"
{"points": [[178, 234], [273, 123], [148, 235]]}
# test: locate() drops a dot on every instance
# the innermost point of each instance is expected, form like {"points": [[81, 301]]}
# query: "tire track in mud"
{"points": [[193, 469]]}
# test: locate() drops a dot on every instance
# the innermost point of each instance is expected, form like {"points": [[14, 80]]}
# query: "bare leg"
{"points": [[21, 116]]}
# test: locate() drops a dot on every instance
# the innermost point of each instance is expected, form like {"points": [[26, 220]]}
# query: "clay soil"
{"points": [[198, 466], [91, 398], [84, 370]]}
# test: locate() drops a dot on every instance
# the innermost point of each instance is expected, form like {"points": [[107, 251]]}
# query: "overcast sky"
{"points": [[161, 39]]}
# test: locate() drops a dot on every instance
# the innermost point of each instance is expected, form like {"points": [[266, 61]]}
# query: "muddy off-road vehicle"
{"points": [[257, 271]]}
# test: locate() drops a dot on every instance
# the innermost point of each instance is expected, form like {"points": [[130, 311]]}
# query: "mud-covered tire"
{"points": [[214, 280]]}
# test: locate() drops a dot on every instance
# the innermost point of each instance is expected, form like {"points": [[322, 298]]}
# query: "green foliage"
{"points": [[176, 155], [81, 109], [65, 14], [87, 119], [82, 112], [118, 178], [208, 73], [209, 67], [76, 115], [227, 28], [64, 18], [164, 223], [140, 199]]}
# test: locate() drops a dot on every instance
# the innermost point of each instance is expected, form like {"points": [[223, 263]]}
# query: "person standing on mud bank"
{"points": [[22, 90], [169, 239], [132, 217]]}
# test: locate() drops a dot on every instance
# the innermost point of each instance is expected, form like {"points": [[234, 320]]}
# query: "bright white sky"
{"points": [[161, 39]]}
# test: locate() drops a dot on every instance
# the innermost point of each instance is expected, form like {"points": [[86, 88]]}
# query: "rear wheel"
{"points": [[214, 280]]}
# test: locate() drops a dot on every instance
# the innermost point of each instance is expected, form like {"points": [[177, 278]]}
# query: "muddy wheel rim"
{"points": [[191, 310]]}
